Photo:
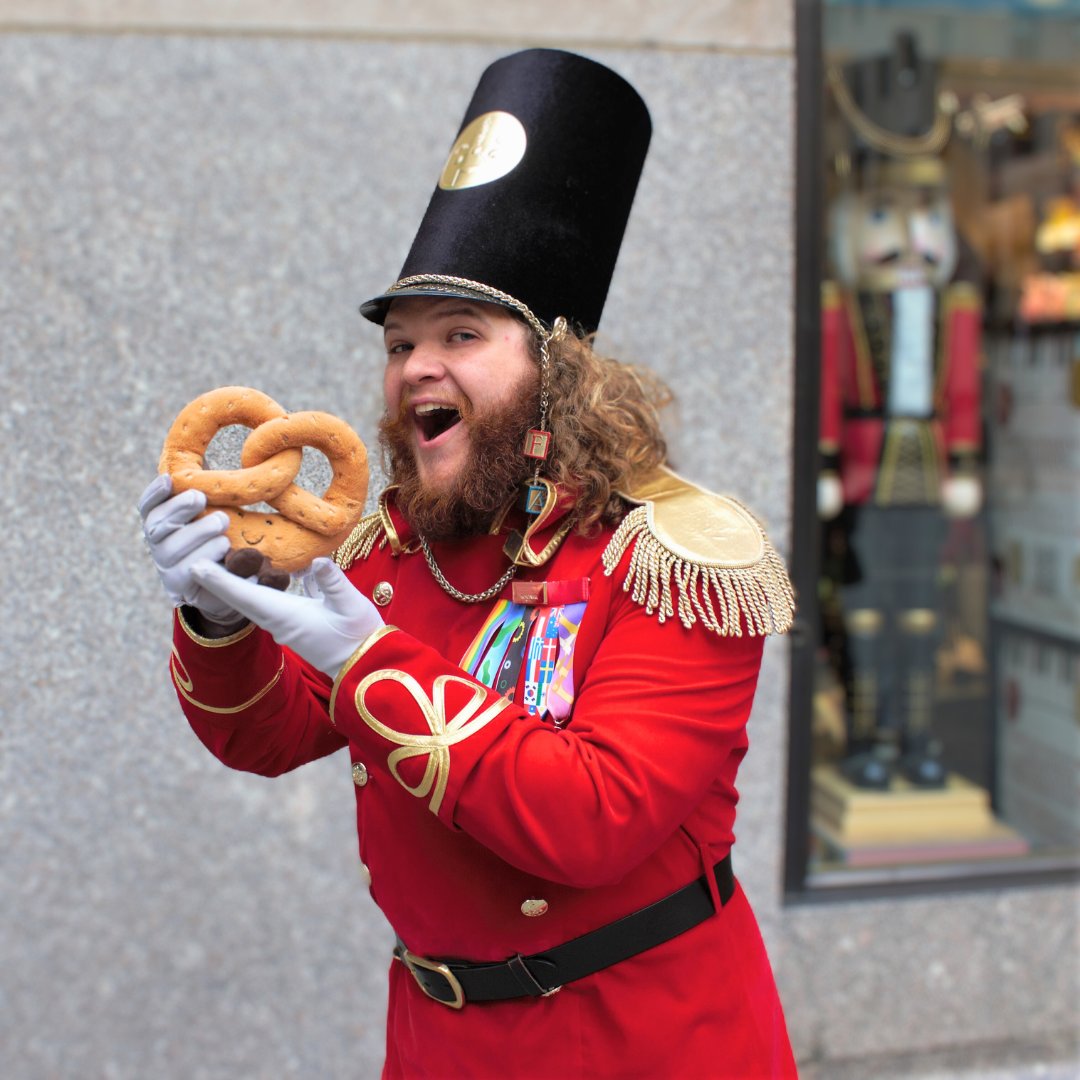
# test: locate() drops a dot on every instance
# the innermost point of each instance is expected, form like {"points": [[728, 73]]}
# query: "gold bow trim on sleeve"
{"points": [[444, 733]]}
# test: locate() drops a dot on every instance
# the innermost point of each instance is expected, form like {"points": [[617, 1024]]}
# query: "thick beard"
{"points": [[495, 469]]}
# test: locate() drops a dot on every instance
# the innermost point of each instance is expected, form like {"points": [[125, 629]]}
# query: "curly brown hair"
{"points": [[605, 426]]}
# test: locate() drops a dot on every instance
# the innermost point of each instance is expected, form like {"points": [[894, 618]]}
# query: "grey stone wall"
{"points": [[182, 212]]}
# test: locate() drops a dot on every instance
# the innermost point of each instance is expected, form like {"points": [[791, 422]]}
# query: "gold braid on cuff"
{"points": [[209, 642], [185, 685]]}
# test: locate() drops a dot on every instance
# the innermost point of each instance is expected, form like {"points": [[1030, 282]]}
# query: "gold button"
{"points": [[365, 873], [533, 907], [383, 593], [359, 773]]}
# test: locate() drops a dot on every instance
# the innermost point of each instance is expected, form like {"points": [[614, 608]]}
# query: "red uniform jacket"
{"points": [[606, 782]]}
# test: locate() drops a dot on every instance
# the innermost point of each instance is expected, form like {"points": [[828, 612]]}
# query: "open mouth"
{"points": [[433, 420]]}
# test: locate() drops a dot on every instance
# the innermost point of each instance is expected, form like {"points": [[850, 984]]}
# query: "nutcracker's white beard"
{"points": [[494, 471]]}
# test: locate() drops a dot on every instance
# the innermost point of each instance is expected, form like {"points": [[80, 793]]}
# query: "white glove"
{"points": [[961, 496], [830, 495], [176, 542], [325, 629]]}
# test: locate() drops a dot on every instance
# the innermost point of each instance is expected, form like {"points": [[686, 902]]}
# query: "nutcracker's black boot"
{"points": [[923, 767], [872, 768]]}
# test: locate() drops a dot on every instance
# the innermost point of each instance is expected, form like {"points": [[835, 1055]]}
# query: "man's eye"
{"points": [[463, 335], [398, 347]]}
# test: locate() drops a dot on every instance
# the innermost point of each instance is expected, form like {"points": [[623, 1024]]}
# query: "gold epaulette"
{"points": [[702, 556], [360, 543], [374, 528]]}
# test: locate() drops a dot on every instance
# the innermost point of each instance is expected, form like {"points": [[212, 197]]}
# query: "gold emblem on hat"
{"points": [[488, 148]]}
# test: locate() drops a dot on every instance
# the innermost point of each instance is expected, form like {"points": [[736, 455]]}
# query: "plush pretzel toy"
{"points": [[302, 526]]}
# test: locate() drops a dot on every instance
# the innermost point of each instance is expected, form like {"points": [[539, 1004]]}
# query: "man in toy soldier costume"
{"points": [[540, 650], [899, 405]]}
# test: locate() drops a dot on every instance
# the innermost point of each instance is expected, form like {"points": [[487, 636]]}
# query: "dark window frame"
{"points": [[801, 884]]}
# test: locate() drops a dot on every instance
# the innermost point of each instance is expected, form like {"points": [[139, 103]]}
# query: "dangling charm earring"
{"points": [[538, 439]]}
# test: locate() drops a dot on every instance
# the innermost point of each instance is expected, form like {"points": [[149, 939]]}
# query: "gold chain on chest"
{"points": [[457, 594]]}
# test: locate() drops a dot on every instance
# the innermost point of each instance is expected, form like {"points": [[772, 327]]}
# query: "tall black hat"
{"points": [[531, 207]]}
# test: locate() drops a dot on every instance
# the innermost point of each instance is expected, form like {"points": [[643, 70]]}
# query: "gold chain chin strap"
{"points": [[558, 332], [930, 142], [473, 286], [457, 594]]}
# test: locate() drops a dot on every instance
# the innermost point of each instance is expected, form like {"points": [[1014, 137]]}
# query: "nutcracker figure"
{"points": [[899, 424]]}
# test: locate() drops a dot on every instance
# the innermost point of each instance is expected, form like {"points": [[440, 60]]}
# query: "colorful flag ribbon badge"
{"points": [[540, 638]]}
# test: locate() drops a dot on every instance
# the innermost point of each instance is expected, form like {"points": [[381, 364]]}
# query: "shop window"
{"points": [[936, 712]]}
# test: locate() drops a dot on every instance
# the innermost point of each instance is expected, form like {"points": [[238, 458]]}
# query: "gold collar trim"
{"points": [[375, 529], [519, 548]]}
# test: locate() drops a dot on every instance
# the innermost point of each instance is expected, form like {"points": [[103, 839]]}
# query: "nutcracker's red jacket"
{"points": [[495, 824], [854, 387]]}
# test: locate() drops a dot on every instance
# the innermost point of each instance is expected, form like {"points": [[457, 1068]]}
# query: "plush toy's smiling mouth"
{"points": [[433, 419], [254, 527]]}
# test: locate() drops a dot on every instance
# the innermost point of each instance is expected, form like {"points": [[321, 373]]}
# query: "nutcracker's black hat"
{"points": [[898, 124], [530, 209]]}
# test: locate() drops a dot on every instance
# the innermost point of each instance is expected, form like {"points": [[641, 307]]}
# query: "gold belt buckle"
{"points": [[412, 962]]}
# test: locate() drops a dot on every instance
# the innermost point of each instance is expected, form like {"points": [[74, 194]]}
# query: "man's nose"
{"points": [[423, 364]]}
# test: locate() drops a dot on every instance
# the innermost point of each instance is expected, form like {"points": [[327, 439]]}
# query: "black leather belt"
{"points": [[454, 982]]}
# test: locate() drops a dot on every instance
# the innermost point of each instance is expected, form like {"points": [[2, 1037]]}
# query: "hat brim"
{"points": [[376, 308]]}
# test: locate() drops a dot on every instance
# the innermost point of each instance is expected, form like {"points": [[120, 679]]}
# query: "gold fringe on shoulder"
{"points": [[361, 541], [718, 595]]}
